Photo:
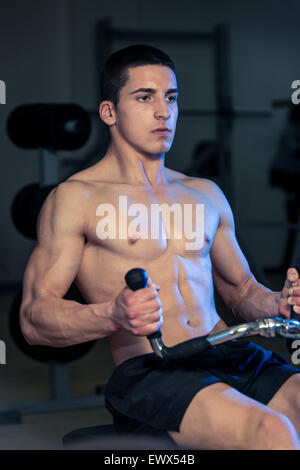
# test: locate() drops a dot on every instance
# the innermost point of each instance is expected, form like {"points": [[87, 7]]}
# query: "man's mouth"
{"points": [[162, 131]]}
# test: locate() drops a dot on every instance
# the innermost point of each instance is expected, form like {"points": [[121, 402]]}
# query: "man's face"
{"points": [[147, 110]]}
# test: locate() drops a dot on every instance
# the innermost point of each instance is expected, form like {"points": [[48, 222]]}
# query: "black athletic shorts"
{"points": [[148, 395]]}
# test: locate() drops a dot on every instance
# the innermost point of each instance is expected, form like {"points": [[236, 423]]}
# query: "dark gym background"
{"points": [[50, 52]]}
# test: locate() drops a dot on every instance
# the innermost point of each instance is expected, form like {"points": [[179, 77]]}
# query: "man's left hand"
{"points": [[290, 294]]}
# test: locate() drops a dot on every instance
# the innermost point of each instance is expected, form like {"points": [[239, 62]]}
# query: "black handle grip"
{"points": [[294, 315], [136, 279]]}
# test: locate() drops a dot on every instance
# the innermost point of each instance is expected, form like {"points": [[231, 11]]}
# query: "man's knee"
{"points": [[274, 431]]}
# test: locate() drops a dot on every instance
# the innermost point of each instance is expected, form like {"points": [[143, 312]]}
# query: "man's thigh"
{"points": [[220, 417], [287, 400]]}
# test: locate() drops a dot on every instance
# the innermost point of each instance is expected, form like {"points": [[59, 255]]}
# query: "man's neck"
{"points": [[135, 168]]}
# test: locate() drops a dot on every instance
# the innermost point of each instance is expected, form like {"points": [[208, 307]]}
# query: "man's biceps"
{"points": [[62, 271], [55, 282], [67, 249], [45, 276], [224, 242], [229, 262]]}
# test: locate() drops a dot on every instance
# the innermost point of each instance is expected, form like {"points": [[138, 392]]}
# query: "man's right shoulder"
{"points": [[78, 189], [70, 191], [67, 201]]}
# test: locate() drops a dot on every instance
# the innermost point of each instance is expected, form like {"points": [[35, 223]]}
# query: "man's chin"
{"points": [[157, 151], [162, 149]]}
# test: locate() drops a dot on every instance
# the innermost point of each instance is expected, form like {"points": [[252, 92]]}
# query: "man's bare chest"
{"points": [[134, 222]]}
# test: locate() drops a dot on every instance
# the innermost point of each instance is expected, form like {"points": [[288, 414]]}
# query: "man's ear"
{"points": [[107, 112]]}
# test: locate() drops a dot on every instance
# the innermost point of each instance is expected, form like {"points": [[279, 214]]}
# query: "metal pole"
{"points": [[224, 120], [59, 380], [48, 167]]}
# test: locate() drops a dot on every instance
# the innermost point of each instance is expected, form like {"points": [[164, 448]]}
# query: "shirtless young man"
{"points": [[140, 94]]}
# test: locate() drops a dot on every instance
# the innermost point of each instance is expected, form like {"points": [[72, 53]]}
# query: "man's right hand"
{"points": [[140, 311]]}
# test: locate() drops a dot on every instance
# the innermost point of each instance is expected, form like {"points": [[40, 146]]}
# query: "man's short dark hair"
{"points": [[115, 72]]}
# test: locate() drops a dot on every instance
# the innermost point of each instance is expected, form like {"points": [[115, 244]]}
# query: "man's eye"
{"points": [[143, 98], [172, 98]]}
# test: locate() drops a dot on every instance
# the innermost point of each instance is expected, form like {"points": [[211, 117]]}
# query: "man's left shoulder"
{"points": [[208, 187], [215, 195], [190, 180], [204, 185]]}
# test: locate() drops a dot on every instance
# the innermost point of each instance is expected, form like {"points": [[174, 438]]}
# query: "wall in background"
{"points": [[35, 67], [48, 54]]}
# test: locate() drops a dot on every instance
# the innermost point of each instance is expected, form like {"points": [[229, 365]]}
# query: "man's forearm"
{"points": [[257, 301], [52, 321]]}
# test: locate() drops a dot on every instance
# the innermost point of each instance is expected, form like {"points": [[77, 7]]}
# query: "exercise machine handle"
{"points": [[136, 279], [270, 327]]}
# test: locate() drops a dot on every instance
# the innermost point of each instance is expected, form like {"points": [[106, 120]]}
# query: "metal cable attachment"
{"points": [[137, 278], [288, 328], [268, 327], [157, 346]]}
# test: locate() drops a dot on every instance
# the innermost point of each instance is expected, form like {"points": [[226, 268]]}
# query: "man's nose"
{"points": [[162, 110]]}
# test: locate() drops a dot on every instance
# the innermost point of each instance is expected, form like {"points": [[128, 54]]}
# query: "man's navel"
{"points": [[193, 321], [132, 241]]}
